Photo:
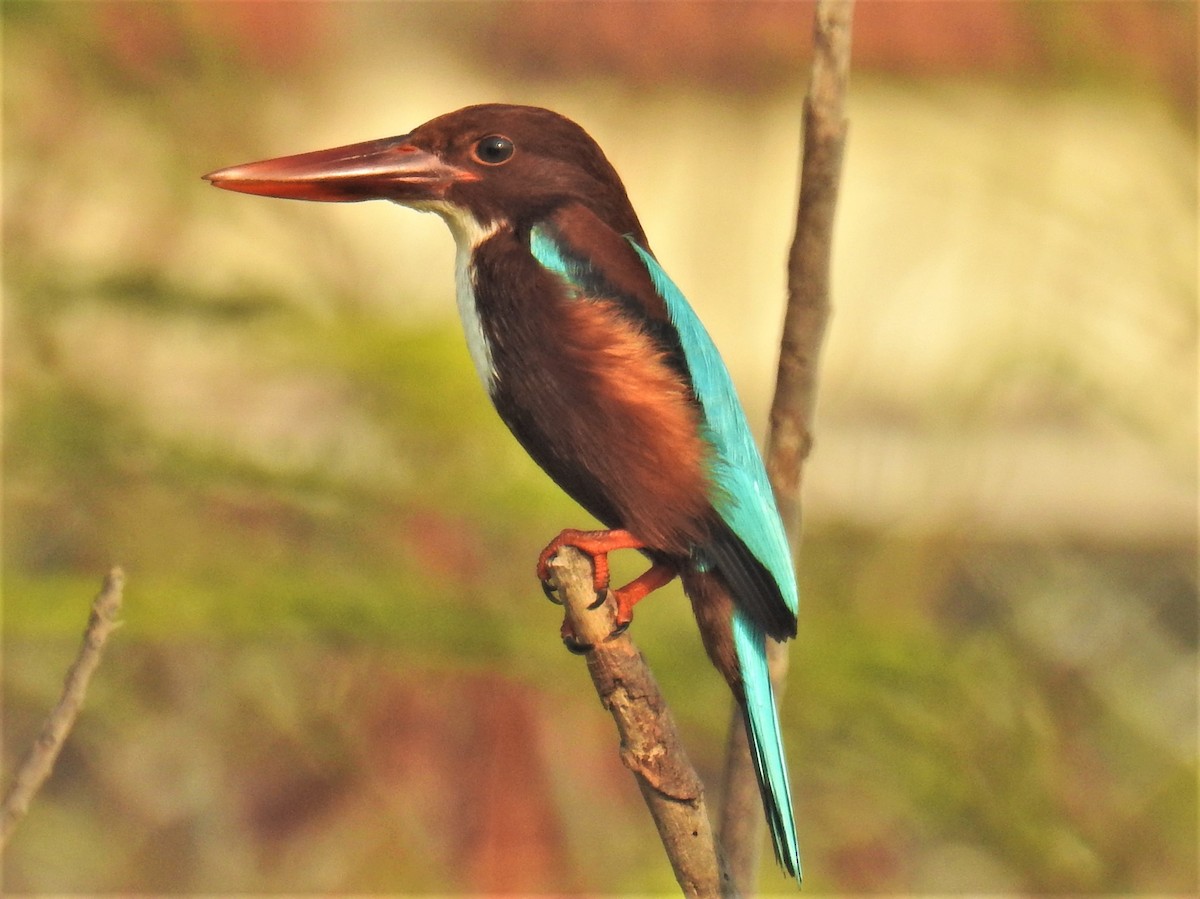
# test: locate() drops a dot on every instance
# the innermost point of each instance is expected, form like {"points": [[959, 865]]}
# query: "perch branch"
{"points": [[650, 744], [39, 762], [791, 433]]}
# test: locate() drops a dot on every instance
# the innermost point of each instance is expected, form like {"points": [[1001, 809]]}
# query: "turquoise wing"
{"points": [[744, 498]]}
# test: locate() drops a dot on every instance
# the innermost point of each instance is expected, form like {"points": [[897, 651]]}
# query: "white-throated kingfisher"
{"points": [[600, 368]]}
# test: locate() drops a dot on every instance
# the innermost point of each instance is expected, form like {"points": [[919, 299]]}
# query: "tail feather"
{"points": [[766, 741], [738, 648]]}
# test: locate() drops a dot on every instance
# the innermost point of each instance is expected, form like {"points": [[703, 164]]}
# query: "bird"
{"points": [[602, 371]]}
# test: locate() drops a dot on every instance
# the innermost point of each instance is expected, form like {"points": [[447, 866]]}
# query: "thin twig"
{"points": [[39, 762], [808, 305], [650, 744], [741, 820], [791, 433]]}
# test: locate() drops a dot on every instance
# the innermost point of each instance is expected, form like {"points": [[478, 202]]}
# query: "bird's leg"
{"points": [[657, 575], [598, 544]]}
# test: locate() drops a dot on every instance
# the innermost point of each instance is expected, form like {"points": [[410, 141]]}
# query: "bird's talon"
{"points": [[576, 647], [601, 595], [550, 588], [618, 630]]}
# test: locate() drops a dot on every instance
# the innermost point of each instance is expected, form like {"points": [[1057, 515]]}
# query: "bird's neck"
{"points": [[469, 234]]}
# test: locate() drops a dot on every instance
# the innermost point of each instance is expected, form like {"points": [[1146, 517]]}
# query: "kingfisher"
{"points": [[598, 365]]}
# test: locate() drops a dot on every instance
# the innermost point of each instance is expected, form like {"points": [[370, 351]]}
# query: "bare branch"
{"points": [[741, 807], [808, 305], [650, 744], [791, 434], [39, 761]]}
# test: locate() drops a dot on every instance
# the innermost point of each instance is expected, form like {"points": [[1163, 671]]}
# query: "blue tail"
{"points": [[766, 742]]}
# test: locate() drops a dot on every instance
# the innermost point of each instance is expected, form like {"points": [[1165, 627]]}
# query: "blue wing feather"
{"points": [[744, 499], [547, 251]]}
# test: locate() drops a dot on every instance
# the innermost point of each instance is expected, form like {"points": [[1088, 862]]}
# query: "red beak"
{"points": [[389, 169]]}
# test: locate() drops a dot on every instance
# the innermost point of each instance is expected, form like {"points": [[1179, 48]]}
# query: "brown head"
{"points": [[487, 164]]}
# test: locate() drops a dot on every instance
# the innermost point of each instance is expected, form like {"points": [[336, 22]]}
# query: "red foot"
{"points": [[598, 544]]}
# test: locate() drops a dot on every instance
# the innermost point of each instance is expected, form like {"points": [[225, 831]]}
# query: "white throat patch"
{"points": [[468, 233]]}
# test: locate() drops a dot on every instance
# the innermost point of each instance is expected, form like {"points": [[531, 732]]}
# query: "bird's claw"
{"points": [[583, 541], [550, 583], [576, 647], [550, 588], [579, 647]]}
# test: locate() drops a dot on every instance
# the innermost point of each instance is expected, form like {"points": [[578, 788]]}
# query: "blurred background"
{"points": [[337, 672]]}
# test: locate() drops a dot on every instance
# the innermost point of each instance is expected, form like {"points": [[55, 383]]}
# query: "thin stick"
{"points": [[39, 761], [650, 744], [791, 433], [808, 305]]}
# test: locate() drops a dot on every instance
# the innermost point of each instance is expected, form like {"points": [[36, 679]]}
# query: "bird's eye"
{"points": [[494, 150]]}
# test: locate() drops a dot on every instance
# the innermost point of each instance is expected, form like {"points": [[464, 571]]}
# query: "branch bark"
{"points": [[650, 744], [39, 762], [791, 432]]}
